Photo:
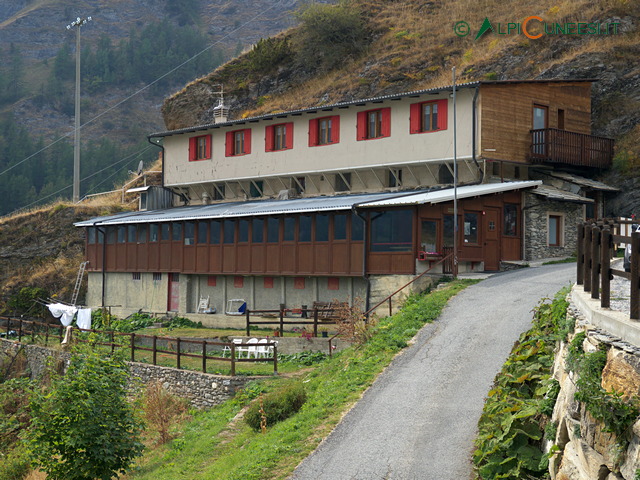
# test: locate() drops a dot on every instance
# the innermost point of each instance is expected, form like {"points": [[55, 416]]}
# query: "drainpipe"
{"points": [[158, 143], [474, 126]]}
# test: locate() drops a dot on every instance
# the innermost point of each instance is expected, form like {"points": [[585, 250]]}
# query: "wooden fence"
{"points": [[596, 247], [178, 347], [308, 316]]}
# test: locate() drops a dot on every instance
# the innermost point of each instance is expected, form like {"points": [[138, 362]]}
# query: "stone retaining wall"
{"points": [[203, 390]]}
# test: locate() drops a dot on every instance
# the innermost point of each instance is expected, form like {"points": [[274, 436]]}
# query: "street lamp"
{"points": [[77, 23]]}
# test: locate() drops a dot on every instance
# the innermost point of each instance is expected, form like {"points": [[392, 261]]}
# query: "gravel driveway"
{"points": [[418, 420]]}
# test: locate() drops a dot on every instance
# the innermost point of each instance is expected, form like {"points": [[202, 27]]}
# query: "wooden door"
{"points": [[491, 229], [174, 292]]}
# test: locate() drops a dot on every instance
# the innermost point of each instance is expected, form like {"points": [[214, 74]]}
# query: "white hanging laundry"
{"points": [[84, 318], [64, 312]]}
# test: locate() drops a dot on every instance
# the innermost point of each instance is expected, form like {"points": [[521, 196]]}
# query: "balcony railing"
{"points": [[551, 145]]}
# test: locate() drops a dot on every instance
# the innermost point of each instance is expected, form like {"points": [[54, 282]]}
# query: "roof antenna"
{"points": [[220, 111]]}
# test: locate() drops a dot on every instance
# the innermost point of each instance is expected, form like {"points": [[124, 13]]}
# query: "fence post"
{"points": [[634, 303], [605, 262], [248, 321], [113, 347], [8, 326], [233, 359], [133, 347], [204, 356], [155, 348], [390, 308], [275, 359], [20, 331], [580, 262], [595, 262], [315, 322], [281, 321], [46, 334], [178, 349], [587, 258]]}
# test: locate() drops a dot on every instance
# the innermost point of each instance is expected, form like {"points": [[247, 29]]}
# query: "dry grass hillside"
{"points": [[411, 44]]}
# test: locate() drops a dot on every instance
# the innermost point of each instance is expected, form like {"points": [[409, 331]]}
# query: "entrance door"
{"points": [[174, 292], [491, 251]]}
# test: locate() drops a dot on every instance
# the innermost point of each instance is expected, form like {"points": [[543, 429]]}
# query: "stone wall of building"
{"points": [[201, 389], [536, 214]]}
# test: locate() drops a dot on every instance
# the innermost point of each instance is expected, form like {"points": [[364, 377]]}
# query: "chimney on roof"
{"points": [[220, 111]]}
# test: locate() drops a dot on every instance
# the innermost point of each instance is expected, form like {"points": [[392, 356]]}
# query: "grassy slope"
{"points": [[216, 444]]}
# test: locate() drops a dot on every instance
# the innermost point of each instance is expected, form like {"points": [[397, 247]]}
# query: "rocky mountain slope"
{"points": [[411, 44]]}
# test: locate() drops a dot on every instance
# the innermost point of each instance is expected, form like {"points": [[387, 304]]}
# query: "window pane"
{"points": [[304, 233], [91, 235], [340, 227], [203, 227], [357, 228], [176, 231], [142, 233], [471, 228], [448, 230], [426, 117], [428, 240], [164, 231], [111, 235], [214, 237], [153, 232], [189, 233], [132, 231], [273, 230], [243, 230], [392, 231], [322, 228], [510, 219], [122, 234], [554, 227], [229, 231], [257, 234], [289, 229]]}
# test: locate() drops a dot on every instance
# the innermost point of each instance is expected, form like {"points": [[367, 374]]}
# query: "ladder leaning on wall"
{"points": [[76, 289]]}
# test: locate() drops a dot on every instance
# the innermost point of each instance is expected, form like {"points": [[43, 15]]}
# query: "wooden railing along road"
{"points": [[596, 247], [177, 347]]}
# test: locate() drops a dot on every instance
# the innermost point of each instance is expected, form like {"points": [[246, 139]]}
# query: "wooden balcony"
{"points": [[551, 145]]}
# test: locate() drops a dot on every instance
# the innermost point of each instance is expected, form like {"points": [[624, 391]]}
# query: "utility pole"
{"points": [[77, 23], [455, 182]]}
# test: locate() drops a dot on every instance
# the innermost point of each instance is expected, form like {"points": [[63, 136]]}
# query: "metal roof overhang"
{"points": [[302, 205], [447, 195], [239, 209]]}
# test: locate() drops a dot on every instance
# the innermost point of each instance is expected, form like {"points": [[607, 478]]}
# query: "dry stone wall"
{"points": [[201, 389]]}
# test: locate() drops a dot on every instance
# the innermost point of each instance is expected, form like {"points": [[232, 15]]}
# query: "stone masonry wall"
{"points": [[536, 219], [201, 389]]}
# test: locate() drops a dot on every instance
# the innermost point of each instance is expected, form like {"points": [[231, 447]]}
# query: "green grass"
{"points": [[214, 446], [563, 260]]}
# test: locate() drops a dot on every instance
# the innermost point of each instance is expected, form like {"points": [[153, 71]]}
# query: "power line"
{"points": [[144, 88]]}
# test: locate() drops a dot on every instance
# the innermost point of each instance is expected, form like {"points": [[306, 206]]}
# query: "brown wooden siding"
{"points": [[506, 115]]}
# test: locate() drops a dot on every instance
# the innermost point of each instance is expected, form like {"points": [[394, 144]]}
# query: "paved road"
{"points": [[418, 420]]}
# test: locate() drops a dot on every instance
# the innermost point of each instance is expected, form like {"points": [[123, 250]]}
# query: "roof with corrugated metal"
{"points": [[302, 205], [360, 102], [446, 195]]}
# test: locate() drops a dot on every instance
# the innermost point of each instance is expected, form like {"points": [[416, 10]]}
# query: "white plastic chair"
{"points": [[239, 348], [252, 349], [263, 350]]}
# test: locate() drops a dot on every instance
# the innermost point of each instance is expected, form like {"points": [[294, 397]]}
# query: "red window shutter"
{"points": [[415, 115], [442, 114], [290, 135], [208, 146], [335, 129], [298, 283], [212, 281], [333, 283], [362, 126], [238, 282], [193, 148], [313, 132], [268, 282], [385, 129], [268, 142], [247, 141], [228, 151]]}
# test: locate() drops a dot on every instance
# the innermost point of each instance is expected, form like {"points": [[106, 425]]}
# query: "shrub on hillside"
{"points": [[277, 406]]}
